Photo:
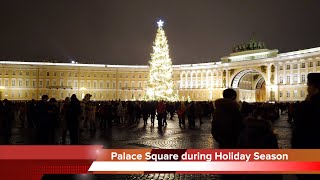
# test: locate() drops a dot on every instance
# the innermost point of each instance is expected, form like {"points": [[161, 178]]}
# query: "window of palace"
{"points": [[113, 75], [126, 75], [7, 73], [82, 84], [20, 83], [101, 84], [139, 75], [120, 75], [295, 78], [34, 73], [26, 94], [295, 93], [288, 67], [132, 84], [54, 82], [94, 75], [280, 93], [41, 73], [13, 83], [0, 72], [94, 84], [88, 74], [12, 94], [69, 74], [139, 85], [33, 83], [119, 84], [54, 74], [48, 74], [88, 84], [69, 83], [40, 83], [303, 78], [27, 83], [310, 64], [13, 73], [288, 94], [288, 79], [61, 74], [108, 85], [113, 85], [94, 95], [61, 95], [20, 73], [318, 63], [75, 74], [27, 73], [107, 75], [302, 93], [133, 76], [19, 94], [145, 76], [76, 84], [101, 75], [295, 66], [61, 83], [281, 79], [303, 65]]}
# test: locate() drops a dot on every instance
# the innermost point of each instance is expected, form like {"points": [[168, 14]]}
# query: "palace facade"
{"points": [[257, 75]]}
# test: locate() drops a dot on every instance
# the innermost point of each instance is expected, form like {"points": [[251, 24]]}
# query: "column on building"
{"points": [[291, 72], [227, 78], [181, 80], [307, 67], [196, 79], [201, 78], [216, 85], [191, 81], [314, 65], [285, 73], [268, 75], [207, 72], [299, 73], [276, 81], [221, 78], [186, 83]]}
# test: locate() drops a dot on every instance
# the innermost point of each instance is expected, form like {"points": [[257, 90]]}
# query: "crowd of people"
{"points": [[249, 126]]}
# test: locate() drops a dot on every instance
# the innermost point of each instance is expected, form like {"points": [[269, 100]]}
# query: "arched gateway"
{"points": [[250, 85]]}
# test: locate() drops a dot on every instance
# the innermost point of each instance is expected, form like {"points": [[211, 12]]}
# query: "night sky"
{"points": [[123, 31]]}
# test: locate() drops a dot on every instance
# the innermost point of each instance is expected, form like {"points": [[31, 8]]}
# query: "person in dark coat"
{"points": [[73, 114], [306, 123], [152, 112], [43, 117], [227, 124], [6, 118], [258, 134], [227, 120], [145, 112], [52, 123]]}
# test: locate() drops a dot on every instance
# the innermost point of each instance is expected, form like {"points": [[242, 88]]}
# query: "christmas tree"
{"points": [[160, 84]]}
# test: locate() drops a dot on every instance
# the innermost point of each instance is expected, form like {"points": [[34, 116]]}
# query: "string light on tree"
{"points": [[160, 84]]}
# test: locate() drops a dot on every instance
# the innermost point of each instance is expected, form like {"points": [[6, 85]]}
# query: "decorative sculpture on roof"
{"points": [[251, 45]]}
